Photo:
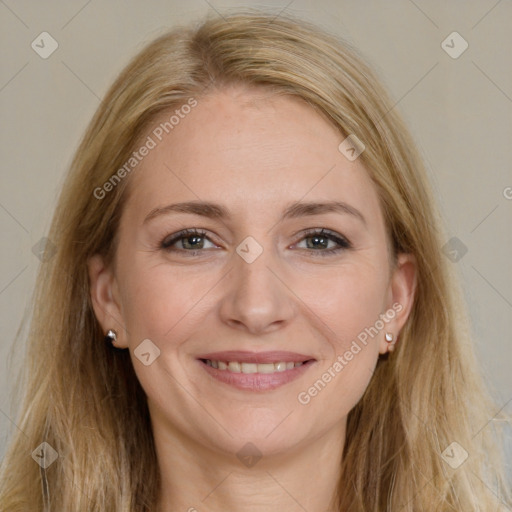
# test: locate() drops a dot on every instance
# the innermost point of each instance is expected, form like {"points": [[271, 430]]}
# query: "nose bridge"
{"points": [[252, 262], [255, 298]]}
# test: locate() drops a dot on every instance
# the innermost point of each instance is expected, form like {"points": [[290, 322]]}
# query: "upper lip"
{"points": [[256, 357]]}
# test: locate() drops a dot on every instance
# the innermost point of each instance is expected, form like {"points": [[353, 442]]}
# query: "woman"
{"points": [[248, 308]]}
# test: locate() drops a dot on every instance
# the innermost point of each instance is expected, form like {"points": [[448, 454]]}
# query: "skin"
{"points": [[254, 153]]}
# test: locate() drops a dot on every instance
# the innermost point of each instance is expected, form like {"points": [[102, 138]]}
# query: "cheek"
{"points": [[357, 304], [347, 301], [348, 308], [160, 301], [148, 302]]}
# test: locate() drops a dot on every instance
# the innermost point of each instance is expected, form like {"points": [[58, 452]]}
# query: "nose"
{"points": [[256, 298]]}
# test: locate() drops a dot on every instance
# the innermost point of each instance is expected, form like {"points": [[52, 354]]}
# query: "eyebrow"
{"points": [[294, 210]]}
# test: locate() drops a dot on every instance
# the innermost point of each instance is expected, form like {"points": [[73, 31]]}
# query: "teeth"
{"points": [[265, 368], [280, 367], [236, 367]]}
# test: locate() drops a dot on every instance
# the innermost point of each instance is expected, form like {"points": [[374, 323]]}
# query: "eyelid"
{"points": [[323, 231], [343, 242], [170, 240]]}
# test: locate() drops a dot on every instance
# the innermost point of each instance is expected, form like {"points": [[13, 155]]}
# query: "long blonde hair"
{"points": [[86, 402]]}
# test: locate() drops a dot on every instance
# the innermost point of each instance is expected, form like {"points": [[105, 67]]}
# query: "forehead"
{"points": [[249, 148]]}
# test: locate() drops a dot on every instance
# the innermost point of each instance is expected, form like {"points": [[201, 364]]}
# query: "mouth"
{"points": [[255, 371]]}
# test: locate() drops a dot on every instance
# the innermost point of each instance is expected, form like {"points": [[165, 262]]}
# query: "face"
{"points": [[312, 283]]}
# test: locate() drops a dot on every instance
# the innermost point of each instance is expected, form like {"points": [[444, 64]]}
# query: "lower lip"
{"points": [[257, 381]]}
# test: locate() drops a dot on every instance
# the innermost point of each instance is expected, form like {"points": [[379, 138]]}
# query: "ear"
{"points": [[401, 293], [105, 299]]}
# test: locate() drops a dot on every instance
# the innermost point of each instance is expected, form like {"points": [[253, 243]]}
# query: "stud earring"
{"points": [[389, 338], [110, 337]]}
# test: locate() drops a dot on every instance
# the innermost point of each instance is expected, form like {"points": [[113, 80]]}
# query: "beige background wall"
{"points": [[459, 110]]}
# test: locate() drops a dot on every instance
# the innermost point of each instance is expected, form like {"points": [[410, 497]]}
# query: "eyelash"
{"points": [[343, 243]]}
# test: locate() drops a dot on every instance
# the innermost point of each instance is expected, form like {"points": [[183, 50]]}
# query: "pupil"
{"points": [[195, 238], [316, 238]]}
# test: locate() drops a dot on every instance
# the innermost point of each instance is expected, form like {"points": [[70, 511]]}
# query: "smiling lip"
{"points": [[256, 357], [256, 381]]}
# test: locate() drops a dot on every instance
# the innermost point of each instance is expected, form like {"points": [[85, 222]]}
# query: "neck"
{"points": [[196, 477]]}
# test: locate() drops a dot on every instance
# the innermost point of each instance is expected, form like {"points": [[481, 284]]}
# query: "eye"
{"points": [[192, 242], [190, 239], [320, 241]]}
